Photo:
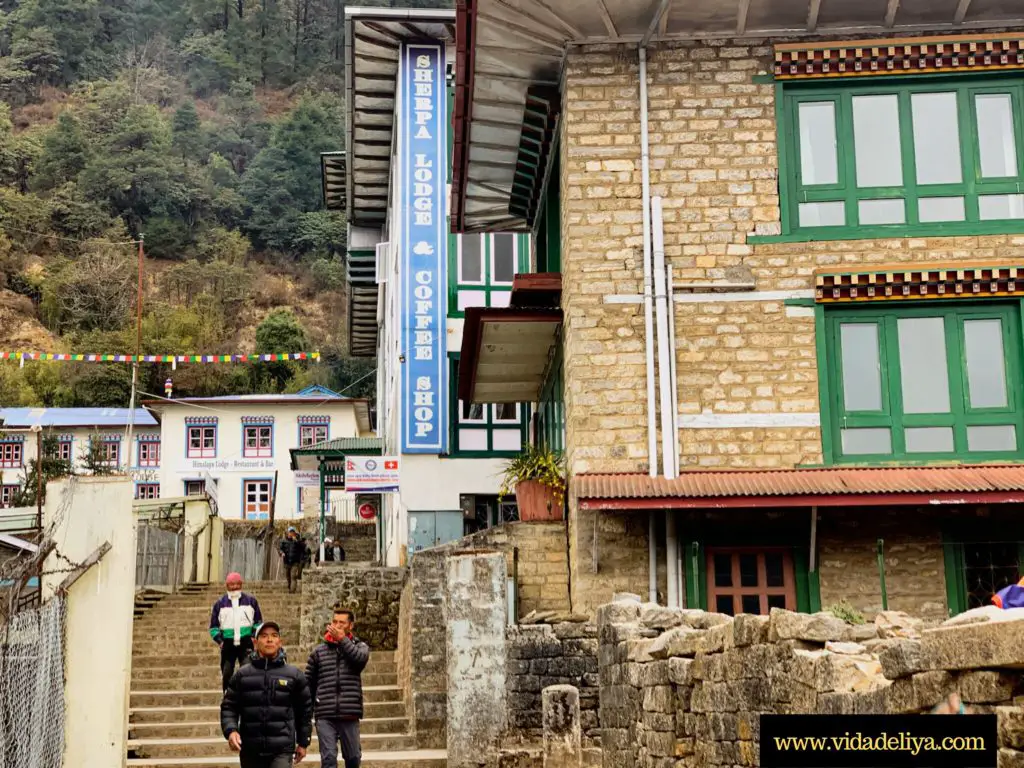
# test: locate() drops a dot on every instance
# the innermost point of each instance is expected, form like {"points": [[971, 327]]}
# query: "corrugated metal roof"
{"points": [[23, 418], [344, 444], [719, 485]]}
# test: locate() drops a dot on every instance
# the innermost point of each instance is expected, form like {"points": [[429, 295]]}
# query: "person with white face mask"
{"points": [[235, 620]]}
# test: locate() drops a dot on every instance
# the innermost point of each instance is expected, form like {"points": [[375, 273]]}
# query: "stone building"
{"points": [[775, 319]]}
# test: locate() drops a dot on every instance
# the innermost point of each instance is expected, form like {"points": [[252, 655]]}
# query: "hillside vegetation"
{"points": [[198, 125]]}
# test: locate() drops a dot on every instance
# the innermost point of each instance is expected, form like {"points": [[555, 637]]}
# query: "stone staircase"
{"points": [[174, 716]]}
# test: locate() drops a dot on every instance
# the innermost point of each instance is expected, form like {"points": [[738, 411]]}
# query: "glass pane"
{"points": [[505, 412], [929, 439], [859, 442], [751, 604], [723, 570], [818, 161], [723, 604], [504, 259], [862, 377], [986, 364], [876, 131], [931, 209], [775, 574], [748, 570], [988, 567], [472, 267], [936, 138], [925, 378], [996, 143], [776, 601], [881, 212], [473, 440], [991, 207], [469, 299], [994, 438], [822, 214]]}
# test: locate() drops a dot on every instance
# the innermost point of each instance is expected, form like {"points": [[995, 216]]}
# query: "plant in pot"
{"points": [[537, 478]]}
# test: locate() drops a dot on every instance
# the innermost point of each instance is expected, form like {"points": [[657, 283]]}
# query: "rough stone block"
{"points": [[561, 723], [659, 721], [654, 616], [817, 627], [836, 703], [659, 699], [618, 613], [723, 726], [1011, 727], [680, 641], [748, 753], [709, 667], [1009, 758], [717, 638], [902, 660], [704, 619], [655, 673], [859, 633], [640, 650], [974, 646], [661, 743], [749, 629], [680, 671], [932, 687], [986, 687]]}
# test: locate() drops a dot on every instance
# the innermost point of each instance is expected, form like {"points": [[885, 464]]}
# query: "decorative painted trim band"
{"points": [[12, 438], [152, 437], [940, 281], [204, 420], [108, 438], [260, 420], [921, 55], [318, 421]]}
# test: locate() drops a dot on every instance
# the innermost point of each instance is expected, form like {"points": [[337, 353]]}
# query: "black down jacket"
{"points": [[333, 672], [294, 550], [269, 704]]}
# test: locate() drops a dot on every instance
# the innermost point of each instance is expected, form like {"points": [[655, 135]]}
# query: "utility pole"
{"points": [[138, 353], [37, 428]]}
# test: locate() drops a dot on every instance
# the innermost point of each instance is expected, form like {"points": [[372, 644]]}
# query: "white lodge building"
{"points": [[240, 441]]}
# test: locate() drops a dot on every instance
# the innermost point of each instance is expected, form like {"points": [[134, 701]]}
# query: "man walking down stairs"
{"points": [[176, 689]]}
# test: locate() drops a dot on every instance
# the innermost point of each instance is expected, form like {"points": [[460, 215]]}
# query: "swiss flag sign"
{"points": [[390, 465]]}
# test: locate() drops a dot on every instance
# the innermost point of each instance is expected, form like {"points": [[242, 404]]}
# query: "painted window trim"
{"points": [[521, 246], [270, 499], [9, 488], [106, 442], [487, 423], [140, 486], [245, 441], [830, 390], [13, 463], [788, 94], [188, 441], [149, 463], [325, 425], [186, 481]]}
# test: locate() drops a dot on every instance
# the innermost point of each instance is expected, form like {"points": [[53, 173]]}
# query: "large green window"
{"points": [[981, 557], [481, 269], [923, 382], [551, 408], [485, 430], [903, 156]]}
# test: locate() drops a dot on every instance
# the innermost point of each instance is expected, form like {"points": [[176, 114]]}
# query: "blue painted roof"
{"points": [[23, 418], [314, 393]]}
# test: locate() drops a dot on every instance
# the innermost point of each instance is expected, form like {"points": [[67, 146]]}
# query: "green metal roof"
{"points": [[339, 447]]}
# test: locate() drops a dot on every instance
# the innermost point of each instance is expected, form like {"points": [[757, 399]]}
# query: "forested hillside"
{"points": [[197, 124]]}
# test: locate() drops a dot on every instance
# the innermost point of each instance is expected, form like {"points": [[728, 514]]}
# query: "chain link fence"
{"points": [[32, 688]]}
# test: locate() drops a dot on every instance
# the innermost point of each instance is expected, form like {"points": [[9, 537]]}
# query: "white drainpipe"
{"points": [[645, 170], [668, 438], [672, 367]]}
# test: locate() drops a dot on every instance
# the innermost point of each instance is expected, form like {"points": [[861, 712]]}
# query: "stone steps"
{"points": [[197, 713], [213, 679], [218, 746], [209, 728], [420, 758], [158, 666], [212, 697]]}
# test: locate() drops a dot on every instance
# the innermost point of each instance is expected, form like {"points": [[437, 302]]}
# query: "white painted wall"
{"points": [[230, 467], [84, 513]]}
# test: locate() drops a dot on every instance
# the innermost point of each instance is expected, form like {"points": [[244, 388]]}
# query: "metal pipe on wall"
{"points": [[645, 177], [661, 312], [674, 381]]}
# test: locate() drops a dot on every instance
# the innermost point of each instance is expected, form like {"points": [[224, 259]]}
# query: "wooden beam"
{"points": [[961, 11], [741, 17], [890, 13], [572, 30], [88, 563], [813, 10], [606, 17], [663, 24]]}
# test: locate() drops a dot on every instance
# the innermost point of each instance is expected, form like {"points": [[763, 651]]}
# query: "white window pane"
{"points": [[994, 438], [507, 440], [986, 366], [940, 209], [818, 161], [929, 439], [925, 379], [992, 207], [472, 439], [822, 214], [472, 299], [881, 212], [936, 138], [471, 268], [876, 131], [859, 442], [862, 378], [473, 412], [996, 142], [500, 299], [504, 258]]}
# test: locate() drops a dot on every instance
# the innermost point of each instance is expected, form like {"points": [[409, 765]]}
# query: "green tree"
{"points": [[53, 468], [185, 132], [75, 29], [65, 153], [280, 331]]}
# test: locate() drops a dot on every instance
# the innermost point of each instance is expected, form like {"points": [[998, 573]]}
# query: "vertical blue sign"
{"points": [[423, 175]]}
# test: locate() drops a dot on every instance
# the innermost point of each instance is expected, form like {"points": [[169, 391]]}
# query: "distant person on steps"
{"points": [[235, 619], [334, 673], [293, 551]]}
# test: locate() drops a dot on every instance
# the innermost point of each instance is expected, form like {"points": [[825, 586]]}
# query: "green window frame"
{"points": [[955, 542], [551, 406], [484, 422], [854, 431], [487, 290], [858, 197]]}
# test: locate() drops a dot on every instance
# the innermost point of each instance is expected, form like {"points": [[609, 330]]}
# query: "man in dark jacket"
{"points": [[266, 713], [293, 552], [236, 617], [334, 673]]}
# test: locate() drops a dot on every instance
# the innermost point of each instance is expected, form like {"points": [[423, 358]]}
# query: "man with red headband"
{"points": [[235, 620]]}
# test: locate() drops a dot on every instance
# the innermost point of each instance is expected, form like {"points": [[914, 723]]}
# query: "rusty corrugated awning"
{"points": [[831, 486]]}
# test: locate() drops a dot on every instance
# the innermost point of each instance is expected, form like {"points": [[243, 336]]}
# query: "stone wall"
{"points": [[358, 539], [686, 688], [372, 593]]}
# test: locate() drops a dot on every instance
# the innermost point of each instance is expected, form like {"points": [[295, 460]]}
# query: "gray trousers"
{"points": [[329, 732], [266, 761]]}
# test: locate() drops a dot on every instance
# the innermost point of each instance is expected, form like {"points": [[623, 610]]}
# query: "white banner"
{"points": [[307, 478], [217, 466], [371, 474]]}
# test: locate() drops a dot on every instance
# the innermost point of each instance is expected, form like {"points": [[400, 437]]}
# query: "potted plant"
{"points": [[537, 477]]}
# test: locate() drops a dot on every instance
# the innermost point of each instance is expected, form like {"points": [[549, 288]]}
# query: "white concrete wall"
{"points": [[84, 513], [230, 467]]}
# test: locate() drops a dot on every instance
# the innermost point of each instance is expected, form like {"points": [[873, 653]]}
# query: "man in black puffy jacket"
{"points": [[267, 713], [293, 551], [334, 673]]}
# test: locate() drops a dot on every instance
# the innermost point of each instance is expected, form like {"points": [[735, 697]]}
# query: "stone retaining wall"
{"points": [[686, 688], [373, 593]]}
